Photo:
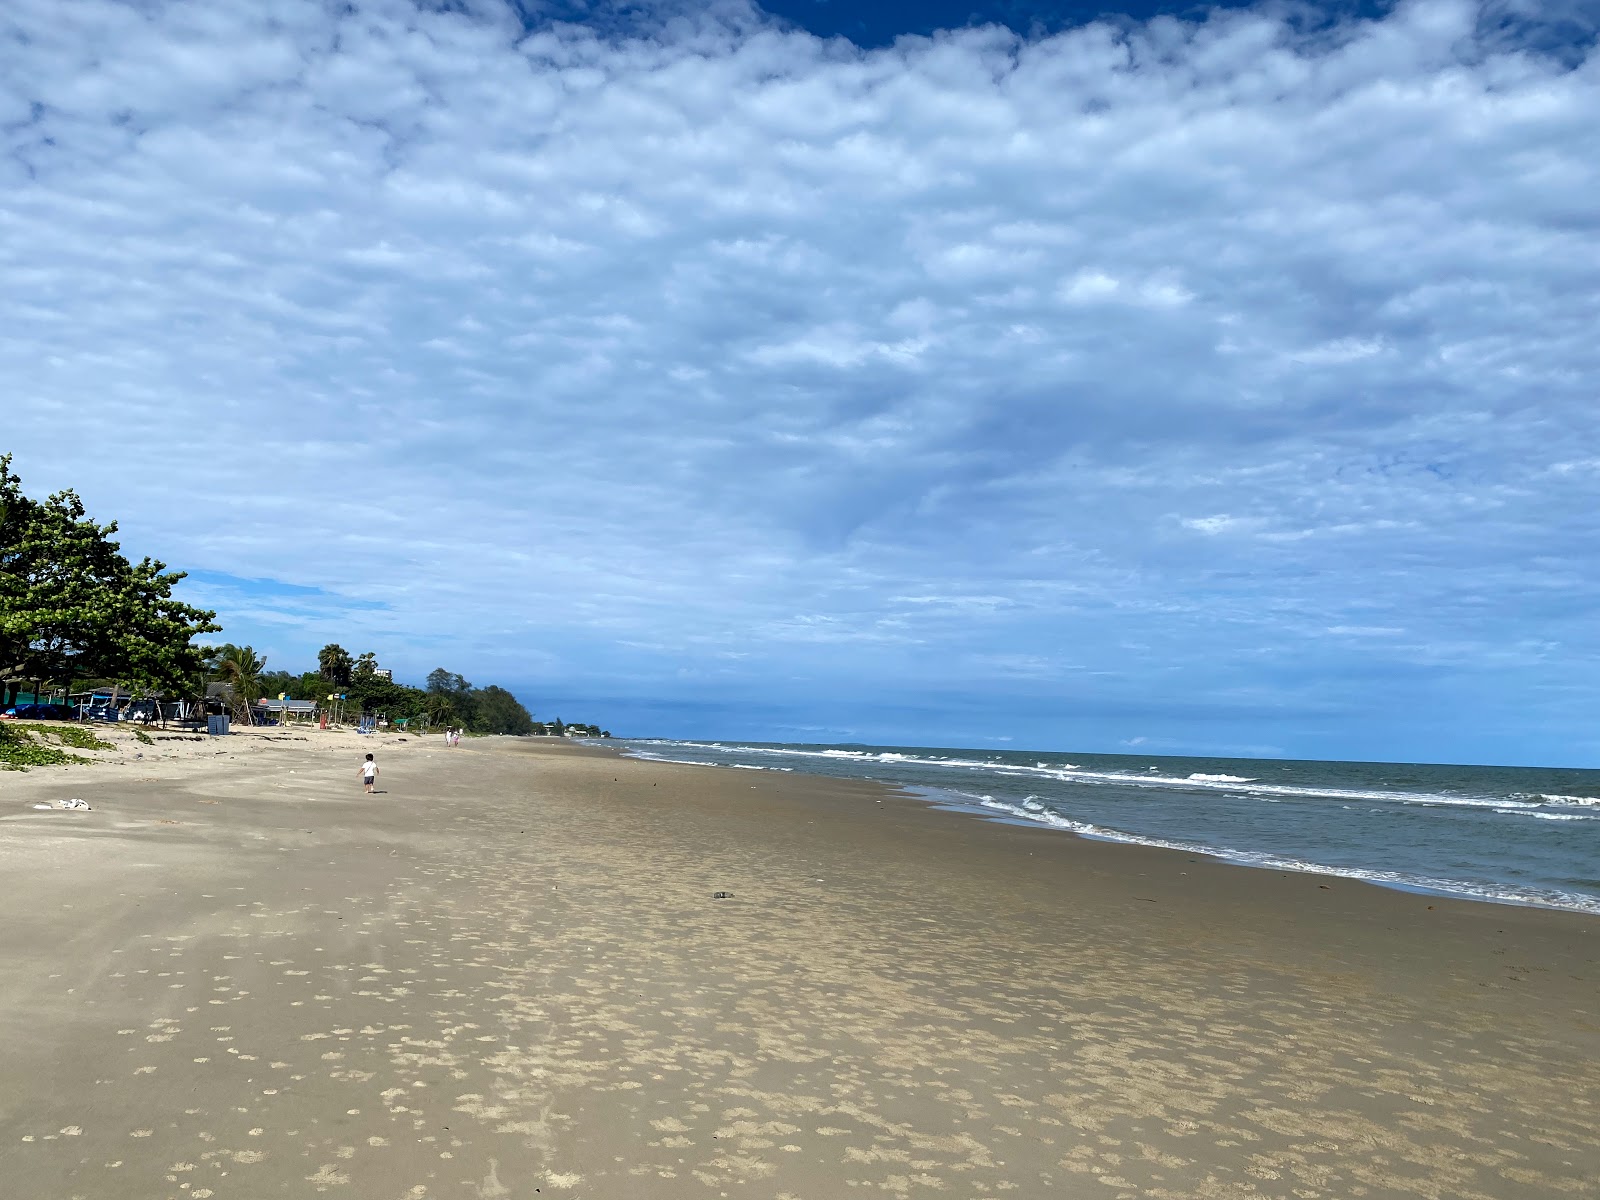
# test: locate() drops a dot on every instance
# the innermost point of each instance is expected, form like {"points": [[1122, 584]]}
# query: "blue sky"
{"points": [[1222, 384]]}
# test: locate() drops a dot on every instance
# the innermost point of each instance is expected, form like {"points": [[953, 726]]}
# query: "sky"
{"points": [[1165, 380]]}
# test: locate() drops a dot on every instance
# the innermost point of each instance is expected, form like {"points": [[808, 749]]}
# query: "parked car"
{"points": [[33, 712]]}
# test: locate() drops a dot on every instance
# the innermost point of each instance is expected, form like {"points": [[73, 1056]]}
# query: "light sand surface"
{"points": [[506, 976]]}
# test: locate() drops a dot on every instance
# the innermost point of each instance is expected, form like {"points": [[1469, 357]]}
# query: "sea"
{"points": [[1508, 835]]}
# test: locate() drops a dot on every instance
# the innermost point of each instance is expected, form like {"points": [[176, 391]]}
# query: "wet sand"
{"points": [[506, 976]]}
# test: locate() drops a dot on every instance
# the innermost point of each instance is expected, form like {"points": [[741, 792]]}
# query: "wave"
{"points": [[1547, 816], [1208, 812], [1575, 801], [1494, 893], [646, 756], [1152, 778]]}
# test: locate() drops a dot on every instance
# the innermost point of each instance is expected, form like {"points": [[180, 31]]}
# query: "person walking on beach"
{"points": [[369, 774]]}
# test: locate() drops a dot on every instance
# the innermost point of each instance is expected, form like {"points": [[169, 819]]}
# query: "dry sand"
{"points": [[506, 976]]}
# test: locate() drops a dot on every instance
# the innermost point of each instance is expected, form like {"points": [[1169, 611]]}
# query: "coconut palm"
{"points": [[240, 669]]}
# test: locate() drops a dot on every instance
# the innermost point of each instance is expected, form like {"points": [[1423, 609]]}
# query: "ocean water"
{"points": [[1512, 835]]}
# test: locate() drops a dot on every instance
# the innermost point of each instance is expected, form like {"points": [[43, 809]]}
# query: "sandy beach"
{"points": [[506, 975]]}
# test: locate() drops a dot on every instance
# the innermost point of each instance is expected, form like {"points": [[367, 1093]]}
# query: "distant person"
{"points": [[369, 774]]}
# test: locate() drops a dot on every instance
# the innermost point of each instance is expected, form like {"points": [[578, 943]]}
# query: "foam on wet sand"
{"points": [[238, 975]]}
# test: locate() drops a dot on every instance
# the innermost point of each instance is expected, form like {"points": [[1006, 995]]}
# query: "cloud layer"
{"points": [[1210, 384]]}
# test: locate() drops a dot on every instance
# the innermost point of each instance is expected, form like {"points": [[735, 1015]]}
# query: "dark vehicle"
{"points": [[35, 712]]}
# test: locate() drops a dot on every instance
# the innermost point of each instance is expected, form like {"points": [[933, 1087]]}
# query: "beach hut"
{"points": [[284, 709]]}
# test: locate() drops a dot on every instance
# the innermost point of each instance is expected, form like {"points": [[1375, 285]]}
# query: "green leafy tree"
{"points": [[194, 688], [273, 682], [366, 667], [73, 607], [453, 699], [440, 710], [309, 686], [498, 711], [240, 669], [335, 665], [150, 642], [378, 695], [445, 683]]}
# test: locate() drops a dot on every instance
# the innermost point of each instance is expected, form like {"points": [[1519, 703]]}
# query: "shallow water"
{"points": [[1519, 835]]}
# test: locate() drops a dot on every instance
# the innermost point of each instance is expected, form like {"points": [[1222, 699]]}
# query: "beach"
{"points": [[508, 974]]}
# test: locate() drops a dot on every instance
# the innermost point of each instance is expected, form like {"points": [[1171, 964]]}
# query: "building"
{"points": [[286, 709]]}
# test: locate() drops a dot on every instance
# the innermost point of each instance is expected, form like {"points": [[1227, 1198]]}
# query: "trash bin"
{"points": [[217, 724]]}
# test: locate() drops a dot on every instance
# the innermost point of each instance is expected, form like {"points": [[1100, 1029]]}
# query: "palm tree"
{"points": [[240, 669], [439, 710]]}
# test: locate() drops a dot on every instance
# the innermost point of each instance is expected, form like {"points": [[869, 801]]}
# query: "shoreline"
{"points": [[1476, 890], [1441, 889], [1278, 894], [509, 971]]}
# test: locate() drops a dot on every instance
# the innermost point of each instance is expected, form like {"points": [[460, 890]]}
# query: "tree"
{"points": [[444, 683], [72, 606], [498, 711], [452, 701], [273, 682], [441, 710], [240, 669], [366, 667], [376, 694], [193, 689], [311, 685], [335, 664]]}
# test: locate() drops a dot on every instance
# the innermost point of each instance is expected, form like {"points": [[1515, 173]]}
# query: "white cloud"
{"points": [[660, 342]]}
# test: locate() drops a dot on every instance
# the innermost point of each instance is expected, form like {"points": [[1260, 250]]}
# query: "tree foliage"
{"points": [[498, 711], [73, 607], [335, 665], [449, 701], [446, 683], [240, 668]]}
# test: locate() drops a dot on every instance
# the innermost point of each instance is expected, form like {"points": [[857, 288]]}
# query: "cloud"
{"points": [[588, 356]]}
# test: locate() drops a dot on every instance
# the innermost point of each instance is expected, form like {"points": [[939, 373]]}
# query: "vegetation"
{"points": [[74, 610], [447, 701], [560, 728], [334, 665], [240, 669], [19, 750], [73, 607], [75, 736]]}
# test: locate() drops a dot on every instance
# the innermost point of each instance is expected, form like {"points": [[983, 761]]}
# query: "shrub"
{"points": [[19, 751]]}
